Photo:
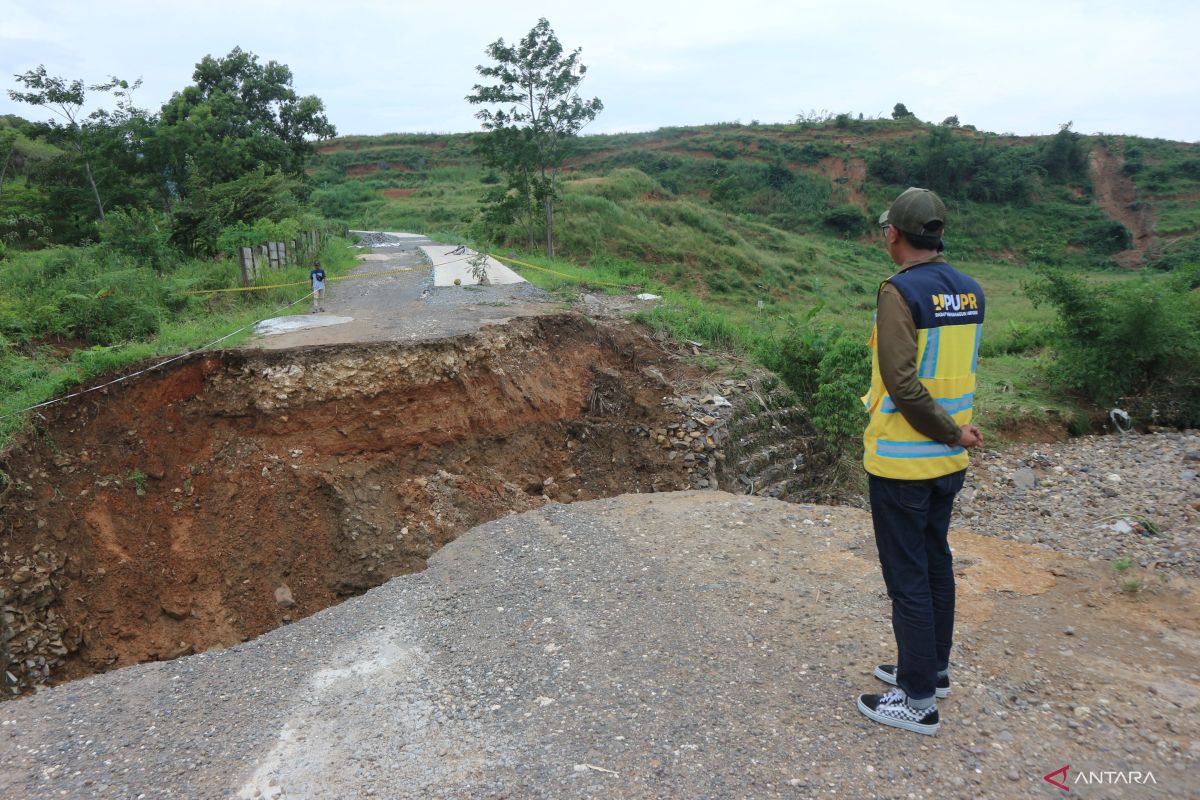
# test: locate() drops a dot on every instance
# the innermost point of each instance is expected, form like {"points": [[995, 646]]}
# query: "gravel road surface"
{"points": [[691, 644]]}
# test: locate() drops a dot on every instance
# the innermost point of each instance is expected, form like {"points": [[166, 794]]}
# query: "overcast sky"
{"points": [[402, 66]]}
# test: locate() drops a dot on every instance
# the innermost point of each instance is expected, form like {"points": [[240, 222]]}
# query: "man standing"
{"points": [[925, 347], [316, 279]]}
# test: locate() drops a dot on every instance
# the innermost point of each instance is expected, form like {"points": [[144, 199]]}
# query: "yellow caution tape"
{"points": [[563, 274], [303, 283], [248, 288], [371, 274], [328, 280]]}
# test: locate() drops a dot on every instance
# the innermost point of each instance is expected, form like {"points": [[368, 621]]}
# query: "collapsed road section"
{"points": [[204, 505]]}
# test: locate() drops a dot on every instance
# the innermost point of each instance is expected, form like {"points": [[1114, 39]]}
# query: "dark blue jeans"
{"points": [[911, 520]]}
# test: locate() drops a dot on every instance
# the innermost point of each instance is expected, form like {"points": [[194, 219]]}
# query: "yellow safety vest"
{"points": [[947, 307]]}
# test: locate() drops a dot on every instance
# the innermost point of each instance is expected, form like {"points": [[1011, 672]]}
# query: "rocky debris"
{"points": [[177, 605], [380, 239], [34, 637], [770, 440], [1024, 479], [1106, 497], [699, 438]]}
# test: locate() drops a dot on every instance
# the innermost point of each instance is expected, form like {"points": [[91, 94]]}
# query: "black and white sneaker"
{"points": [[887, 674], [893, 709]]}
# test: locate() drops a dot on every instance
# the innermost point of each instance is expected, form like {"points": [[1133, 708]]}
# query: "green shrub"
{"points": [[123, 309], [1175, 254], [1105, 237], [727, 190], [796, 357], [846, 219], [1063, 155], [1018, 337], [207, 211], [23, 229], [1136, 344], [844, 373], [958, 166], [243, 234], [142, 235]]}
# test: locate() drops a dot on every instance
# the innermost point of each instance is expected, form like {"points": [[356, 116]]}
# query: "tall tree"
{"points": [[237, 114], [533, 111], [8, 146], [65, 99]]}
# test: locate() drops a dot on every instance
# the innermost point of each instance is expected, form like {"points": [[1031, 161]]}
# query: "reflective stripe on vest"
{"points": [[947, 307]]}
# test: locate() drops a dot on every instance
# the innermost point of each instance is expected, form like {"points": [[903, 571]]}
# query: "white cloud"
{"points": [[1022, 66]]}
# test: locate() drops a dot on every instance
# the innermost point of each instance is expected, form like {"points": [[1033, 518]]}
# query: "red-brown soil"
{"points": [[161, 518], [1115, 194], [848, 175], [398, 193]]}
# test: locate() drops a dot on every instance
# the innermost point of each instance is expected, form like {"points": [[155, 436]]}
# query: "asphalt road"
{"points": [[690, 644], [405, 305]]}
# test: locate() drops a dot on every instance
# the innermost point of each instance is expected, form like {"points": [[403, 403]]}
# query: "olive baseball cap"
{"points": [[916, 211]]}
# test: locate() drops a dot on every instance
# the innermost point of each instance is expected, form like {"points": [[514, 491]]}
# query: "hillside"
{"points": [[1022, 200], [725, 217]]}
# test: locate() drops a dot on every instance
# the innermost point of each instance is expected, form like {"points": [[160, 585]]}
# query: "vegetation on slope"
{"points": [[721, 218]]}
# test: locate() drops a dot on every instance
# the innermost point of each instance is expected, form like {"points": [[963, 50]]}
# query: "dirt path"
{"points": [[692, 644], [406, 307], [1115, 194]]}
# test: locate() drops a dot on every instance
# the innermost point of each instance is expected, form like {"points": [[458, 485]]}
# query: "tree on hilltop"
{"points": [[533, 112]]}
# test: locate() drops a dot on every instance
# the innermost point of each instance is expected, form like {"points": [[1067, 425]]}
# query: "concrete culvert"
{"points": [[240, 490]]}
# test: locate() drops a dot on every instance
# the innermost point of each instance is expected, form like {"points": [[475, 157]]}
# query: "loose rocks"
{"points": [[1104, 497]]}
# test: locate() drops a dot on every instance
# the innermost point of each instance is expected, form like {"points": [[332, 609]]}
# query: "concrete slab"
{"points": [[447, 267]]}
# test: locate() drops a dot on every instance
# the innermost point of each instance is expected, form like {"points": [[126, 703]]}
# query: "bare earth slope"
{"points": [[690, 644]]}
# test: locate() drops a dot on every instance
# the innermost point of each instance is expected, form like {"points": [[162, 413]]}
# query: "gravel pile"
{"points": [[380, 239], [1105, 497]]}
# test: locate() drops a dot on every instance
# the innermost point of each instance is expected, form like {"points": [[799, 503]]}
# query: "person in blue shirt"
{"points": [[317, 279]]}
